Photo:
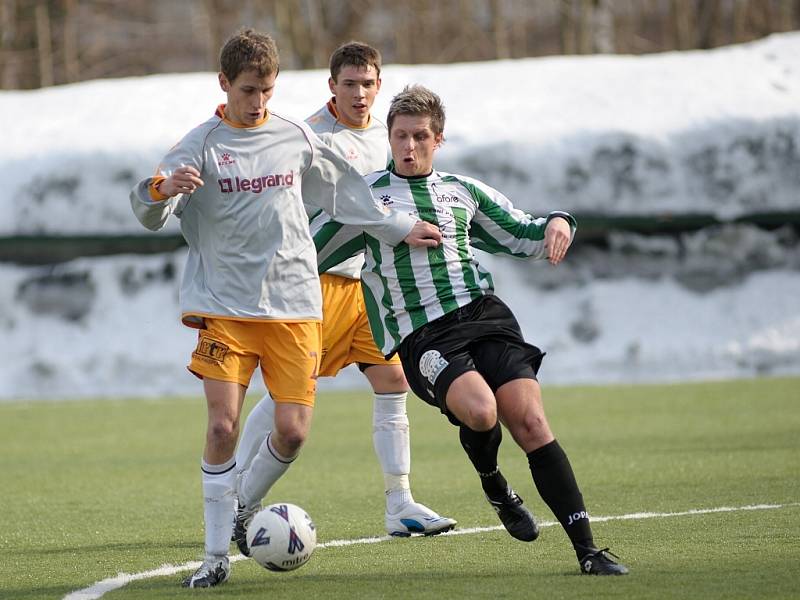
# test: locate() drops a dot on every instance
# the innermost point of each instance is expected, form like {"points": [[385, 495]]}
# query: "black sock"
{"points": [[482, 447], [556, 483]]}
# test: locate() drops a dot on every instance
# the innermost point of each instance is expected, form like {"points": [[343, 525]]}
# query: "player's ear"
{"points": [[331, 83], [223, 82], [378, 84]]}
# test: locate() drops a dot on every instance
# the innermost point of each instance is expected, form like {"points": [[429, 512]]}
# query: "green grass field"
{"points": [[91, 489]]}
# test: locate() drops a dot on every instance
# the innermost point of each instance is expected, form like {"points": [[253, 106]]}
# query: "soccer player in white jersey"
{"points": [[345, 124], [461, 347], [237, 183]]}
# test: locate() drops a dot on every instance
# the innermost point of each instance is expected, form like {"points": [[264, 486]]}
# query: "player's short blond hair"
{"points": [[248, 50], [418, 100]]}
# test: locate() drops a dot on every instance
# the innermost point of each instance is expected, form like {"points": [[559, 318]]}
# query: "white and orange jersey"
{"points": [[365, 148], [251, 255]]}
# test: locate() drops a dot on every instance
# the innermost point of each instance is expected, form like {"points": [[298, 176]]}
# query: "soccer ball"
{"points": [[281, 537]]}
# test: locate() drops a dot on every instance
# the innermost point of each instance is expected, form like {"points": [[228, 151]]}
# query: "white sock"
{"points": [[265, 469], [219, 482], [257, 426], [397, 499], [390, 437]]}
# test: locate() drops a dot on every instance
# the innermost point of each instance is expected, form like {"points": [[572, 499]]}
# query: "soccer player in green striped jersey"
{"points": [[461, 347]]}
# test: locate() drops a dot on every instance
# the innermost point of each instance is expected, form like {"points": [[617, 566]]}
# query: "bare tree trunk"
{"points": [[567, 26], [72, 69], [579, 33], [284, 27], [420, 32], [401, 18], [8, 66], [602, 23], [44, 44], [740, 20], [683, 20], [213, 14], [300, 32], [520, 14], [706, 24], [584, 20], [316, 34], [784, 20], [499, 30]]}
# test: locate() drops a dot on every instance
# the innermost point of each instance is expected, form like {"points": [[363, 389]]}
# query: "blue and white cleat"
{"points": [[417, 518]]}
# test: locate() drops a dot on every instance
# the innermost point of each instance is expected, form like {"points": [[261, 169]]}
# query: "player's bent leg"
{"points": [[258, 424], [276, 454], [520, 408], [292, 423], [390, 436], [471, 400]]}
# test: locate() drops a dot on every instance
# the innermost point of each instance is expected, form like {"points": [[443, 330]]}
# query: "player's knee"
{"points": [[396, 381], [482, 416], [386, 379], [222, 430], [290, 438], [532, 431], [535, 424]]}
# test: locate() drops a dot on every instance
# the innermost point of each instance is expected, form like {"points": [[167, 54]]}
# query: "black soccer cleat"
{"points": [[240, 524], [212, 572], [517, 519], [601, 562]]}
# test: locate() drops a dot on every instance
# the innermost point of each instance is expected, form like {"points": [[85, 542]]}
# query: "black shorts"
{"points": [[482, 336]]}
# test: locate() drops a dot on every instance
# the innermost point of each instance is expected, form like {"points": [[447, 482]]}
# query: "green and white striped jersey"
{"points": [[405, 288]]}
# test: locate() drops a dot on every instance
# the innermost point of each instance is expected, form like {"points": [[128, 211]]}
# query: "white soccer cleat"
{"points": [[417, 518], [212, 572]]}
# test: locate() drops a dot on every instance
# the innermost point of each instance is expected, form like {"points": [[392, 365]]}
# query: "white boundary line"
{"points": [[97, 590]]}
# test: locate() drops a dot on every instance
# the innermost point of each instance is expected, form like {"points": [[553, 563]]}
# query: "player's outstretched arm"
{"points": [[557, 238], [424, 234]]}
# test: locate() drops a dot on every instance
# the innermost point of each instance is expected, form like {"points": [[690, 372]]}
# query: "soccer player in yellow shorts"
{"points": [[346, 124], [250, 283]]}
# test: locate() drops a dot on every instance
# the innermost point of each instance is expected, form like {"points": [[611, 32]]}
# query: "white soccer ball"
{"points": [[281, 537]]}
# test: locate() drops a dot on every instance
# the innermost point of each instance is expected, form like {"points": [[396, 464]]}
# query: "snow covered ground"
{"points": [[713, 132]]}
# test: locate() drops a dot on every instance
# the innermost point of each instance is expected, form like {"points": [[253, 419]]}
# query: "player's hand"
{"points": [[184, 180], [557, 238], [423, 234]]}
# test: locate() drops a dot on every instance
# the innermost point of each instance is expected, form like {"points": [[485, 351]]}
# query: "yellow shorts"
{"points": [[288, 352], [346, 336]]}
